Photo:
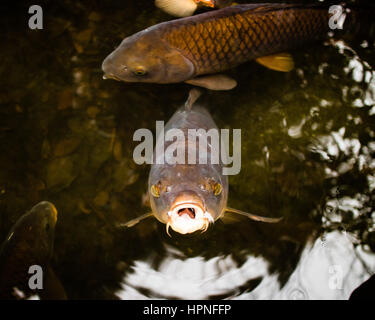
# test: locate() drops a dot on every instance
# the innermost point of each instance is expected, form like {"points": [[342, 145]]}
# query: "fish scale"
{"points": [[244, 32]]}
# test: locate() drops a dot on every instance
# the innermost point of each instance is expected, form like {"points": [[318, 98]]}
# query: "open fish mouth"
{"points": [[192, 209], [188, 217], [189, 211]]}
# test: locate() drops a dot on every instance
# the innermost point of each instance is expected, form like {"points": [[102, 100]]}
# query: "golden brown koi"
{"points": [[186, 49]]}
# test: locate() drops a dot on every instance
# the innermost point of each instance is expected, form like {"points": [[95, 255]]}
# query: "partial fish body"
{"points": [[189, 197], [184, 8], [189, 48], [29, 242]]}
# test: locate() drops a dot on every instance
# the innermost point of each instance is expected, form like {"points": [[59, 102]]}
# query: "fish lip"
{"points": [[109, 70], [111, 76]]}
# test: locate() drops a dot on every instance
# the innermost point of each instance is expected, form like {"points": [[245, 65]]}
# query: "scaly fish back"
{"points": [[222, 39]]}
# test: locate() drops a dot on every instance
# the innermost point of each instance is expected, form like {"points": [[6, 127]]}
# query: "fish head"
{"points": [[43, 217], [34, 231], [187, 198], [145, 57]]}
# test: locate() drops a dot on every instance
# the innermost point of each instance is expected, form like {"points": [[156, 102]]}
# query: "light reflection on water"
{"points": [[328, 269], [192, 278]]}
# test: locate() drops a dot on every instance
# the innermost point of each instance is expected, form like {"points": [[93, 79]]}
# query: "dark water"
{"points": [[308, 145]]}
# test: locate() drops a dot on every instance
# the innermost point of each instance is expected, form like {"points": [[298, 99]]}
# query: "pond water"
{"points": [[308, 146]]}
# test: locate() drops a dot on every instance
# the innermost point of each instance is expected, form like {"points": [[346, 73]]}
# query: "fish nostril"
{"points": [[189, 211]]}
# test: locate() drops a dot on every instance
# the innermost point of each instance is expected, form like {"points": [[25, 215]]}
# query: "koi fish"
{"points": [[30, 242], [189, 197], [197, 49]]}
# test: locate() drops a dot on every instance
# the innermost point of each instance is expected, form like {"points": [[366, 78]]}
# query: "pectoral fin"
{"points": [[177, 8], [253, 216], [133, 222], [230, 218], [280, 62], [214, 82]]}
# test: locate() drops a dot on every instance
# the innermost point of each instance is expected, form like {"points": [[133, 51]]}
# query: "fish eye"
{"points": [[212, 185], [217, 189], [139, 71], [155, 191]]}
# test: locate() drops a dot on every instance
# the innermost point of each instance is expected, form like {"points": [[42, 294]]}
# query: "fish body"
{"points": [[226, 38], [187, 186], [29, 242], [184, 8], [186, 199], [209, 43]]}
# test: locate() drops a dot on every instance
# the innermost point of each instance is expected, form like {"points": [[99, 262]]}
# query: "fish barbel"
{"points": [[189, 48]]}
